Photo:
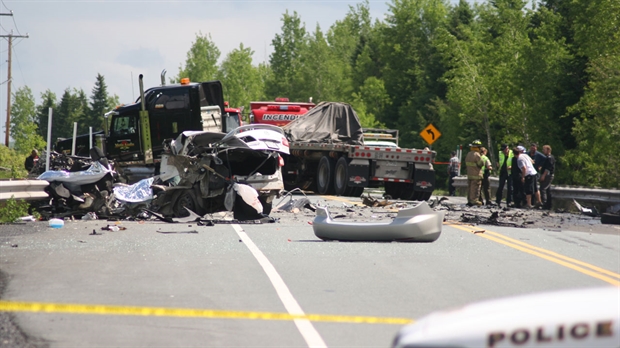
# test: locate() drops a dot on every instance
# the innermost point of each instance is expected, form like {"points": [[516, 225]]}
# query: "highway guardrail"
{"points": [[560, 192], [23, 189], [34, 189]]}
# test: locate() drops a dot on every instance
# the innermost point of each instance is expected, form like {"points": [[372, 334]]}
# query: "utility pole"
{"points": [[8, 83]]}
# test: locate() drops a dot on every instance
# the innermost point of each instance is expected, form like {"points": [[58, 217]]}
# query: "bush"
{"points": [[12, 210], [12, 164]]}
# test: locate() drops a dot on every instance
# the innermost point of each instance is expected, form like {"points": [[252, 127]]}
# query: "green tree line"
{"points": [[29, 121], [502, 71]]}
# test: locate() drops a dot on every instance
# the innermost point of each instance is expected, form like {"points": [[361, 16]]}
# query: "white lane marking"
{"points": [[305, 327]]}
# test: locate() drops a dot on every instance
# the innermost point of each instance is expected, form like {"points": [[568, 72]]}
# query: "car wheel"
{"points": [[185, 200]]}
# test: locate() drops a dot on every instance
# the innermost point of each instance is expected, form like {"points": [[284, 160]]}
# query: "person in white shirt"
{"points": [[528, 176]]}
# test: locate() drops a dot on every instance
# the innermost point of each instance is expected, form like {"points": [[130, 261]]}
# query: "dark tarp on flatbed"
{"points": [[328, 122]]}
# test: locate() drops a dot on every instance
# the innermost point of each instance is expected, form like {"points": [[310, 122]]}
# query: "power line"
{"points": [[4, 5], [8, 85], [19, 65], [15, 23]]}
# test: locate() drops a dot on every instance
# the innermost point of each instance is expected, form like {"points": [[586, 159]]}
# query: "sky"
{"points": [[71, 41]]}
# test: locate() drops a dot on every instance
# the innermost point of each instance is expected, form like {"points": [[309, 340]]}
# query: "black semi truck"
{"points": [[134, 134]]}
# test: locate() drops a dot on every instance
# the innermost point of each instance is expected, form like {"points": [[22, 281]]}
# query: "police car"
{"points": [[569, 318]]}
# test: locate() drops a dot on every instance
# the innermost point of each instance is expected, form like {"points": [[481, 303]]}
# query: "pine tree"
{"points": [[99, 104]]}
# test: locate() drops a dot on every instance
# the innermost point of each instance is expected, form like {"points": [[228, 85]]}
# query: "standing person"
{"points": [[486, 173], [528, 176], [517, 185], [474, 164], [505, 166], [453, 171], [31, 160], [537, 159], [546, 177]]}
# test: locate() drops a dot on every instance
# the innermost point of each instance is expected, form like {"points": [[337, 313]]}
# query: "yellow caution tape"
{"points": [[12, 306]]}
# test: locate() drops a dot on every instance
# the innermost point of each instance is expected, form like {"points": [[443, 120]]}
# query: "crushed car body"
{"points": [[205, 172], [417, 224], [198, 170], [565, 318], [86, 187]]}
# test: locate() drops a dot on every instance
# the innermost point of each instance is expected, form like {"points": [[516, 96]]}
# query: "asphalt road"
{"points": [[272, 285]]}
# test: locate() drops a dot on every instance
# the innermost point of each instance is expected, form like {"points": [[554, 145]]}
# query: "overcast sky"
{"points": [[71, 41]]}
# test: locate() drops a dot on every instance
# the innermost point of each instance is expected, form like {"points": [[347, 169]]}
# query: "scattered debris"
{"points": [[373, 202], [89, 216], [437, 201], [294, 205], [160, 217], [56, 223], [113, 228], [493, 219], [610, 219], [587, 211], [95, 233], [615, 209]]}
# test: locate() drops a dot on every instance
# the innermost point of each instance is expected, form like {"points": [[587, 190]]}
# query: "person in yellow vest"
{"points": [[504, 165], [474, 165], [486, 174]]}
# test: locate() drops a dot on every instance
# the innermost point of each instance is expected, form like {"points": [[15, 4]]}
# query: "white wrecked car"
{"points": [[262, 137], [203, 166]]}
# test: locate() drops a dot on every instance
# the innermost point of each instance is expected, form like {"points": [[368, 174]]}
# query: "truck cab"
{"points": [[171, 109], [236, 114]]}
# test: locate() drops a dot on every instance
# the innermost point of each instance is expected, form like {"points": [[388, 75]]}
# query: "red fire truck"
{"points": [[278, 112]]}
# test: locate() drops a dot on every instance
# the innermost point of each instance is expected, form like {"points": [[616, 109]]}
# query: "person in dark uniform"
{"points": [[31, 160], [538, 159], [546, 177]]}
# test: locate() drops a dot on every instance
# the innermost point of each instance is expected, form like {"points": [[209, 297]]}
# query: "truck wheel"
{"points": [[355, 191], [324, 176], [407, 191], [422, 196], [392, 190], [341, 175], [426, 196]]}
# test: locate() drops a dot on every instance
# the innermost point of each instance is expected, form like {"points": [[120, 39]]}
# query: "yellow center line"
{"points": [[13, 306], [346, 200], [579, 266]]}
